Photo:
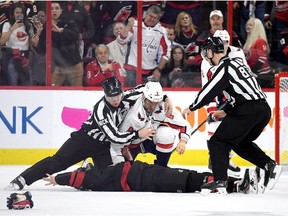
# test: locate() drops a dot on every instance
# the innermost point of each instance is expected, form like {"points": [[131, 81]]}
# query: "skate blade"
{"points": [[11, 187], [272, 182]]}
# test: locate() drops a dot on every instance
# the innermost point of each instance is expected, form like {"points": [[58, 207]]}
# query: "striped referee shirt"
{"points": [[234, 79], [103, 122]]}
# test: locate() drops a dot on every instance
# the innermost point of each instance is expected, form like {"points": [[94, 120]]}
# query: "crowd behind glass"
{"points": [[92, 40]]}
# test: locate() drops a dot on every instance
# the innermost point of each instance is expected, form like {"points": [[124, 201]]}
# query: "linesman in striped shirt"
{"points": [[94, 138], [246, 115]]}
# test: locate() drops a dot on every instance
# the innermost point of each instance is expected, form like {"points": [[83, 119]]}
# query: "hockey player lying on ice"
{"points": [[140, 176]]}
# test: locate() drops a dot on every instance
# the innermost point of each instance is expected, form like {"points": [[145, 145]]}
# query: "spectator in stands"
{"points": [[73, 11], [185, 31], [38, 57], [186, 35], [119, 50], [257, 51], [246, 10], [16, 35], [5, 10], [280, 21], [115, 11], [148, 3], [256, 48], [173, 8], [154, 44], [94, 11], [101, 68], [65, 52], [174, 68], [216, 23], [284, 42], [171, 35]]}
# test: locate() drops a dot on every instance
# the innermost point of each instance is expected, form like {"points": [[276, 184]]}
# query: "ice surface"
{"points": [[59, 200]]}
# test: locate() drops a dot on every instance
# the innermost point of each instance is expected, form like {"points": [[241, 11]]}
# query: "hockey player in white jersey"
{"points": [[206, 73], [148, 111]]}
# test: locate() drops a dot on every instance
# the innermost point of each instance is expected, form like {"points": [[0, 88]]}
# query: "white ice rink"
{"points": [[59, 200]]}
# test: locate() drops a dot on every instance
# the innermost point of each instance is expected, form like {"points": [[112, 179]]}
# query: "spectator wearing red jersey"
{"points": [[101, 68], [257, 50], [256, 47]]}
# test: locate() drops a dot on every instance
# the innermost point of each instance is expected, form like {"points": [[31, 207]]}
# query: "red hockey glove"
{"points": [[20, 201]]}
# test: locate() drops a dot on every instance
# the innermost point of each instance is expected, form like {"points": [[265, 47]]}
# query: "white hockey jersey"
{"points": [[154, 43], [137, 118]]}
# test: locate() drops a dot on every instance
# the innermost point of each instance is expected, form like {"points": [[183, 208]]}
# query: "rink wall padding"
{"points": [[31, 156]]}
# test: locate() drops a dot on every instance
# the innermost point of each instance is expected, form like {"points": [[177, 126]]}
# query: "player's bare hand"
{"points": [[181, 147], [186, 112], [147, 133], [50, 179], [168, 107], [218, 114]]}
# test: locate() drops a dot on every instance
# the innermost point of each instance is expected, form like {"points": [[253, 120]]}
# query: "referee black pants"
{"points": [[77, 148], [238, 130]]}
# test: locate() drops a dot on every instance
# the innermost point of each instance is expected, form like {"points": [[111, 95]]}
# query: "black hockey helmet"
{"points": [[213, 43], [112, 87]]}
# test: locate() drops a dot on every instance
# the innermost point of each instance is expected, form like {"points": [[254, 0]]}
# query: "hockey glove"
{"points": [[20, 201]]}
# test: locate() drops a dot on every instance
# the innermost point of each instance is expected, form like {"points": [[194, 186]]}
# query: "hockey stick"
{"points": [[207, 119]]}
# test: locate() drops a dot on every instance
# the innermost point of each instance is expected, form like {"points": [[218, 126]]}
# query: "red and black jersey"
{"points": [[136, 176], [117, 11], [114, 11], [280, 9], [284, 40], [257, 57], [94, 75]]}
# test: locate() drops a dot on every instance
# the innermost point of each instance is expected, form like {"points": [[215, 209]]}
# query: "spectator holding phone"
{"points": [[175, 67], [16, 35]]}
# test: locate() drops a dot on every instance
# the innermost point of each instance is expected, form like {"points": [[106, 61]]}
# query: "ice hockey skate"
{"points": [[214, 187], [16, 184], [249, 183], [268, 177]]}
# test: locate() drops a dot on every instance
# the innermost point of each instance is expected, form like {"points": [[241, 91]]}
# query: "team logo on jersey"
{"points": [[140, 117], [103, 122]]}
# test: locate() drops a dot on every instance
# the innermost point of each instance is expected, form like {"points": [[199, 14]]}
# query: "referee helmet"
{"points": [[213, 43], [112, 87]]}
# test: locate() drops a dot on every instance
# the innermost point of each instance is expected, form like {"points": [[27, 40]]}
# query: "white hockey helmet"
{"points": [[223, 34], [153, 92]]}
